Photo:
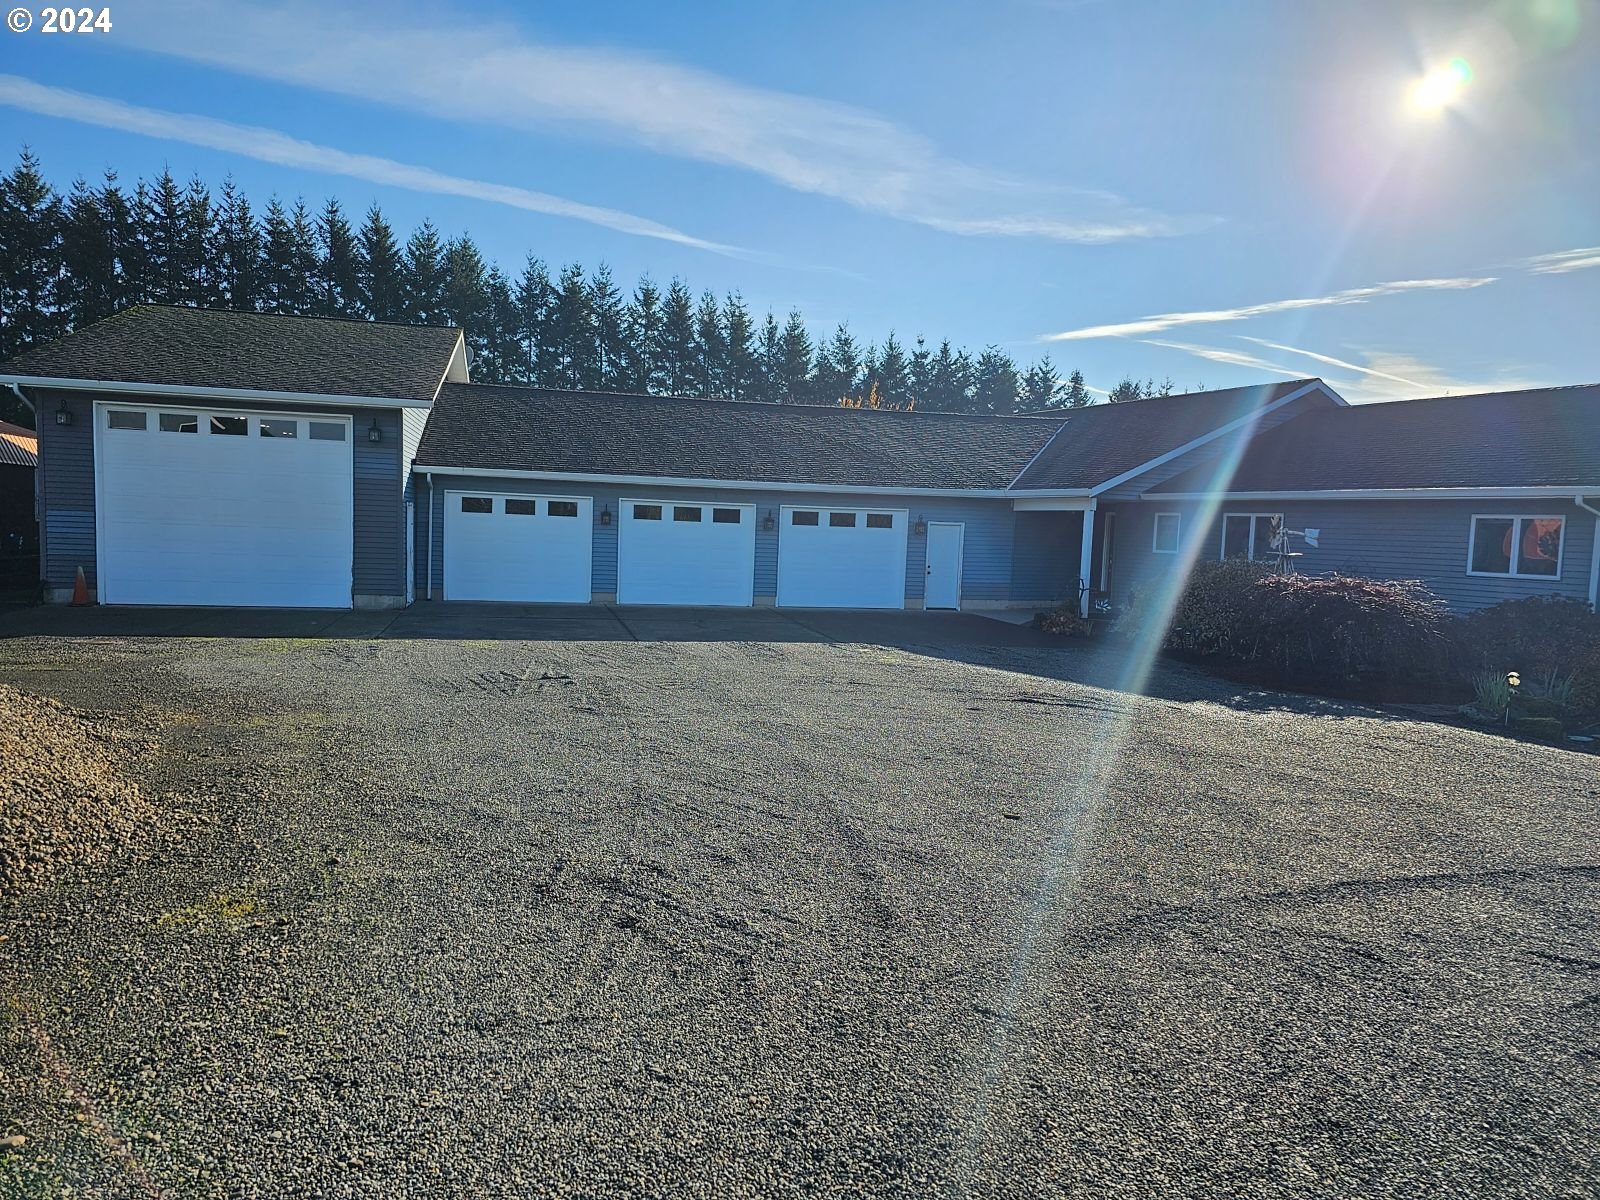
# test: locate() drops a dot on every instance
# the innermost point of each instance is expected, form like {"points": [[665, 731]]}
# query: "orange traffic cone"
{"points": [[80, 589]]}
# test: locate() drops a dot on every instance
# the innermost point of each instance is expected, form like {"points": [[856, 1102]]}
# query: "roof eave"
{"points": [[1531, 492], [191, 392]]}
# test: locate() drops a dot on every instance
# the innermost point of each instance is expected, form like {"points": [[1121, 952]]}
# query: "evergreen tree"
{"points": [[739, 349], [425, 277], [159, 212], [304, 260], [893, 374], [572, 330], [1130, 388], [838, 372], [950, 380], [535, 298], [610, 337], [679, 357], [1041, 389], [90, 287], [769, 361], [30, 258], [198, 282], [919, 370], [1076, 394], [237, 257], [794, 366], [994, 382], [338, 291], [381, 270], [467, 303], [711, 348], [277, 260], [642, 324], [502, 342]]}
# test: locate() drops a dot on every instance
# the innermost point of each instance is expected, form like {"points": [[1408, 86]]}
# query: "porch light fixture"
{"points": [[374, 434], [63, 414], [921, 527], [605, 515], [769, 522]]}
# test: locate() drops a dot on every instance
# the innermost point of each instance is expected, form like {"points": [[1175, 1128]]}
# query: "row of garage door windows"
{"points": [[268, 427], [680, 512]]}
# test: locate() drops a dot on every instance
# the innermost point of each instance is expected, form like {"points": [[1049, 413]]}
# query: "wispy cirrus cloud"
{"points": [[457, 66], [1562, 261], [1161, 322], [269, 145], [1220, 354], [1331, 361]]}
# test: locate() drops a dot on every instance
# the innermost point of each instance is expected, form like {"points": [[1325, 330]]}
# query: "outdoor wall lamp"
{"points": [[374, 434], [921, 527], [769, 522], [63, 414], [605, 515]]}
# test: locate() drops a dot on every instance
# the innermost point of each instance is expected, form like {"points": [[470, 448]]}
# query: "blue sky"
{"points": [[1133, 186]]}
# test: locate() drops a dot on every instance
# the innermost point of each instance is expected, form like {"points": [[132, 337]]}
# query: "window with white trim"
{"points": [[1168, 529], [1248, 535], [1516, 546]]}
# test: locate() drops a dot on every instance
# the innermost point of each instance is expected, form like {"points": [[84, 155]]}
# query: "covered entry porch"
{"points": [[1066, 550]]}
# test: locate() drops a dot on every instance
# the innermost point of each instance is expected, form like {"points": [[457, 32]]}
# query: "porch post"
{"points": [[1086, 559]]}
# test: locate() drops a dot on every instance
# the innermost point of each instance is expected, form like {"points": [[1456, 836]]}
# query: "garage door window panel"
{"points": [[841, 520], [179, 423], [522, 508], [277, 428], [726, 516], [561, 508], [647, 512], [685, 513], [231, 426], [326, 431], [122, 419], [880, 520], [477, 504], [803, 518]]}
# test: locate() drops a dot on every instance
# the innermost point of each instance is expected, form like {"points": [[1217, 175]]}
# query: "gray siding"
{"points": [[1382, 539], [989, 545], [66, 455], [1044, 564]]}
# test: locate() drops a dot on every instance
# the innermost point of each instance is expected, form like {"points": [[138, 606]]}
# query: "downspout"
{"points": [[1594, 558], [16, 389], [427, 591]]}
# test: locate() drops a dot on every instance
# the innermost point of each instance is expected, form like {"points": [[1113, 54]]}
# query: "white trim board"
{"points": [[244, 396], [1448, 493], [1516, 520]]}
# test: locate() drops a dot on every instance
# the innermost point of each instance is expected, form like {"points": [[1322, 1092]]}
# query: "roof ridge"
{"points": [[1553, 387], [247, 312]]}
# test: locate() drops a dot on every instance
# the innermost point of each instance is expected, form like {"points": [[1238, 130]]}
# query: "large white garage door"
{"points": [[223, 508], [516, 547], [686, 553], [842, 558]]}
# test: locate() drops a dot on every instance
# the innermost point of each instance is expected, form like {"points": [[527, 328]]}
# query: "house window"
{"points": [[1168, 528], [683, 512], [121, 418], [802, 517], [180, 423], [326, 431], [1248, 535], [280, 429], [1522, 547], [842, 520], [522, 508], [477, 504], [647, 512], [880, 520], [232, 426], [561, 508], [726, 516]]}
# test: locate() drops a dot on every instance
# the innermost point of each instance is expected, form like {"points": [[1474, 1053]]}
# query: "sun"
{"points": [[1441, 87]]}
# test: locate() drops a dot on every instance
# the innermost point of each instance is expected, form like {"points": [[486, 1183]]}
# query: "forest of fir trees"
{"points": [[68, 260]]}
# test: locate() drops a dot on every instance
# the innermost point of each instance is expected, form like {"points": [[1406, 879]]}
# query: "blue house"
{"points": [[196, 457]]}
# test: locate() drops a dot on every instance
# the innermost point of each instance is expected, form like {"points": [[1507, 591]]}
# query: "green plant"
{"points": [[1556, 640], [1558, 687], [1065, 621], [1546, 729], [1491, 692]]}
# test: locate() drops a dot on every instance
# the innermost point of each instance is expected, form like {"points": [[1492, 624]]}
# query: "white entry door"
{"points": [[537, 549], [219, 507], [842, 557], [698, 552], [943, 588]]}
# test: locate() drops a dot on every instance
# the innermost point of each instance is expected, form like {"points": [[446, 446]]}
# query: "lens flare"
{"points": [[1441, 87]]}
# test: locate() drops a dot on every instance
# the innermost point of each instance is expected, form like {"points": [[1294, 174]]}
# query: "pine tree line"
{"points": [[66, 261]]}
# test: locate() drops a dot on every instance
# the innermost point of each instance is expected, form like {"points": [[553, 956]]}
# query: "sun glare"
{"points": [[1441, 87]]}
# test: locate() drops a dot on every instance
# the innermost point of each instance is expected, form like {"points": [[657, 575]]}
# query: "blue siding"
{"points": [[988, 547], [1382, 539], [66, 454], [1044, 563]]}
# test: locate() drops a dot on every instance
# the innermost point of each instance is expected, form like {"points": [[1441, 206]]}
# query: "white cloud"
{"points": [[269, 145], [1161, 322], [1331, 361], [1562, 261], [1232, 358], [460, 67]]}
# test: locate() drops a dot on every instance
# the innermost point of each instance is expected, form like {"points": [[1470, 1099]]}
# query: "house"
{"points": [[196, 457]]}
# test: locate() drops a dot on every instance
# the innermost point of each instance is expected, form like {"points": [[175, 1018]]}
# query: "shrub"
{"points": [[1491, 691], [1064, 620], [1552, 640], [1216, 613], [1348, 626]]}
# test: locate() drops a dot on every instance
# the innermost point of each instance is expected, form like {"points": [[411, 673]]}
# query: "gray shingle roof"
{"points": [[194, 347], [475, 425], [1104, 440], [1549, 436]]}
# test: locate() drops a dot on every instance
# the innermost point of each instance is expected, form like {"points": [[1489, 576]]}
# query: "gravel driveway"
{"points": [[702, 918]]}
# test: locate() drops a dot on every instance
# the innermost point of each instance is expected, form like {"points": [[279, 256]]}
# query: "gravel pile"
{"points": [[65, 796]]}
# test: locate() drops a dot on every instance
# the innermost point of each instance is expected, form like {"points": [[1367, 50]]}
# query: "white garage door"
{"points": [[517, 547], [686, 553], [842, 558], [223, 508]]}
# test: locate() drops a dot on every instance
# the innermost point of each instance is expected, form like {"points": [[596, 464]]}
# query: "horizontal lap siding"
{"points": [[1045, 558], [987, 546], [67, 456], [1381, 539]]}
